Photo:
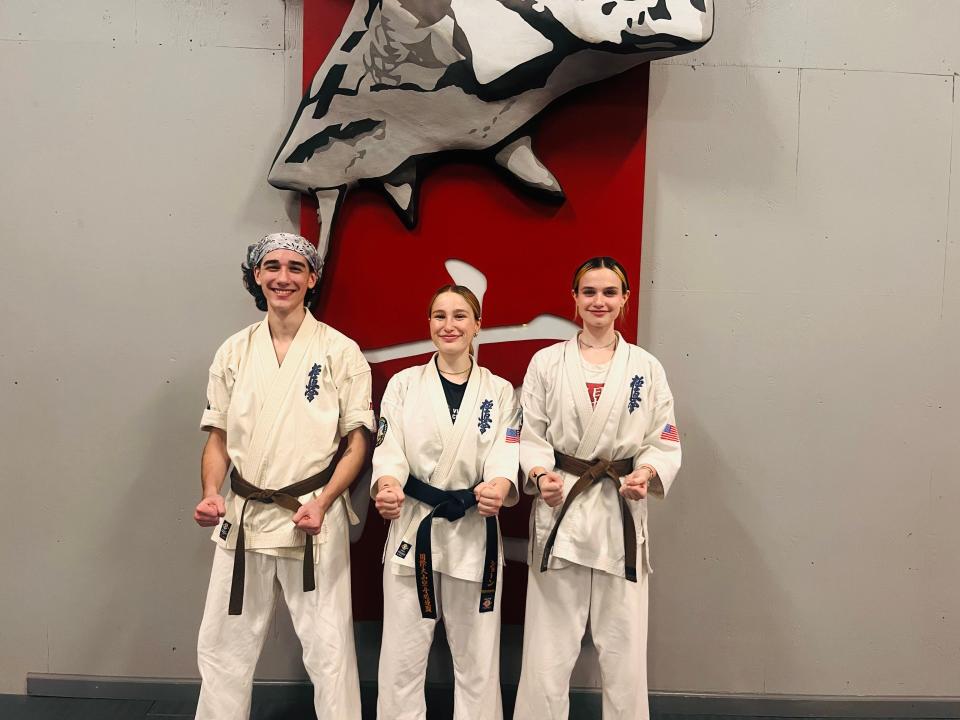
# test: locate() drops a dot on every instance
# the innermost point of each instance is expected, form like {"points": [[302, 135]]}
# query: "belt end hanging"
{"points": [[309, 583]]}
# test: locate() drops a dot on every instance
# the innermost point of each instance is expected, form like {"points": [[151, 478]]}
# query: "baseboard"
{"points": [[585, 702]]}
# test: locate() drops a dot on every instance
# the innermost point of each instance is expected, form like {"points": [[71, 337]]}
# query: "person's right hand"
{"points": [[209, 511], [551, 489], [389, 501]]}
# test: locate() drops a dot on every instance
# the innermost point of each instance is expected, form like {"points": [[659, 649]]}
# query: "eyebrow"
{"points": [[291, 263]]}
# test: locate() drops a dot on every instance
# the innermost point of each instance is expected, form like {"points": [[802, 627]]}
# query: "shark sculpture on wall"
{"points": [[408, 79]]}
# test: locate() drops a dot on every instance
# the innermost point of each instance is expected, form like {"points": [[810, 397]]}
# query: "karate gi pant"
{"points": [[559, 603], [474, 639], [229, 645]]}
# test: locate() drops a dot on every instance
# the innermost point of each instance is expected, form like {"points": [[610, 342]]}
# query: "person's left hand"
{"points": [[636, 484], [309, 517], [489, 499]]}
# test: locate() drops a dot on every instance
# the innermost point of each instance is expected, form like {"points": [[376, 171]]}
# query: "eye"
{"points": [[610, 292]]}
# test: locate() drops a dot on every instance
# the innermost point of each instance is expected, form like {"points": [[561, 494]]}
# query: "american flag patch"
{"points": [[513, 435], [670, 433]]}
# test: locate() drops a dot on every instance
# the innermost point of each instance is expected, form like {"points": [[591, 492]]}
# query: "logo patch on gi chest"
{"points": [[225, 530], [381, 431], [484, 421], [403, 549], [635, 386], [313, 385]]}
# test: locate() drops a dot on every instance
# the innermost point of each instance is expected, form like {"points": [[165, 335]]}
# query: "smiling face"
{"points": [[285, 277], [453, 323], [600, 297]]}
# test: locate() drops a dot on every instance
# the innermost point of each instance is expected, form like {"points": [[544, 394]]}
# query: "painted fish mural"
{"points": [[408, 80]]}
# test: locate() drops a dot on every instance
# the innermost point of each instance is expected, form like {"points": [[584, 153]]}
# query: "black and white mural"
{"points": [[408, 79]]}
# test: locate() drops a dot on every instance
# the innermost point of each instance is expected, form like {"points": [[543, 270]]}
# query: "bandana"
{"points": [[283, 241]]}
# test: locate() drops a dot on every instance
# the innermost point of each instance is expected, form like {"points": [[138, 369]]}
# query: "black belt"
{"points": [[286, 498], [590, 472], [449, 505]]}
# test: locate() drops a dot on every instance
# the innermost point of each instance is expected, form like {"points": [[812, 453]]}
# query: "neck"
{"points": [[454, 362], [598, 336], [284, 325]]}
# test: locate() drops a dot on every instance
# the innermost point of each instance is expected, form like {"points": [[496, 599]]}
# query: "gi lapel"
{"points": [[456, 431], [613, 390], [576, 385], [278, 389], [438, 400]]}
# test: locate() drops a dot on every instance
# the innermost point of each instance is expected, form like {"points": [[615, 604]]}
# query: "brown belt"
{"points": [[286, 498], [590, 472]]}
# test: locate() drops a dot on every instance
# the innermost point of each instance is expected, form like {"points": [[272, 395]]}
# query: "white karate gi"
{"points": [[417, 438], [283, 424], [585, 579]]}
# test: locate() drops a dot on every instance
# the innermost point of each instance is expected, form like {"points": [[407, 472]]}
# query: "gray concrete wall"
{"points": [[799, 284], [134, 142]]}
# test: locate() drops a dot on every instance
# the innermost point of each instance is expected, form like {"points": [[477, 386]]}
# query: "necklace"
{"points": [[455, 374], [596, 347]]}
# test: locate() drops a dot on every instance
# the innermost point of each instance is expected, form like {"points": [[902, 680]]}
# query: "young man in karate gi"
{"points": [[599, 433], [281, 396]]}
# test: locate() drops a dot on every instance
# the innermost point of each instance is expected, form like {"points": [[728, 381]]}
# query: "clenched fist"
{"points": [[636, 484], [309, 517], [489, 498], [389, 500], [551, 488], [209, 511]]}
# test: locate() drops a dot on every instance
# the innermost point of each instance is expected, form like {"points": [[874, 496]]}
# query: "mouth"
{"points": [[282, 293], [450, 338]]}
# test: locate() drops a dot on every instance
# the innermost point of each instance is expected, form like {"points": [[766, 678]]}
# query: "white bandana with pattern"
{"points": [[283, 241]]}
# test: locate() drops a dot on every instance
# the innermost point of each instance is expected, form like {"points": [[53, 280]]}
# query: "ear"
{"points": [[312, 280], [626, 296], [256, 275]]}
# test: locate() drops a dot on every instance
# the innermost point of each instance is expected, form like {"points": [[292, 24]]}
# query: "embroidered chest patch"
{"points": [[484, 421], [313, 383], [635, 386], [381, 431]]}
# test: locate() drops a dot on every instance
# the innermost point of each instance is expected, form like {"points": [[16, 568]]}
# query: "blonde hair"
{"points": [[464, 292]]}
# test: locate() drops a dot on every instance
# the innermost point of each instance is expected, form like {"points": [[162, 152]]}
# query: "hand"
{"points": [[389, 501], [309, 517], [551, 489], [636, 484], [209, 511], [489, 499]]}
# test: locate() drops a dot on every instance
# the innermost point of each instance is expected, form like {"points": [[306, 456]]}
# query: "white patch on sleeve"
{"points": [[499, 38]]}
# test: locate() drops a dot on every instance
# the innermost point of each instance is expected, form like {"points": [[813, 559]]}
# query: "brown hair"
{"points": [[461, 290], [595, 263]]}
